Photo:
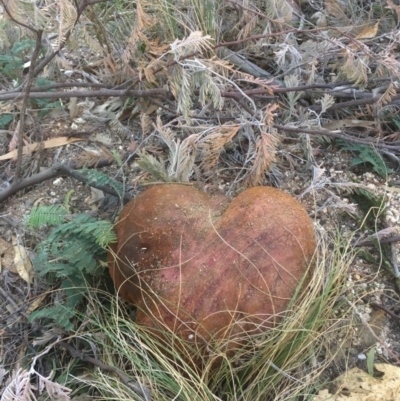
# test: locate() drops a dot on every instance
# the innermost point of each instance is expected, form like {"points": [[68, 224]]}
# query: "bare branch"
{"points": [[57, 170], [24, 105]]}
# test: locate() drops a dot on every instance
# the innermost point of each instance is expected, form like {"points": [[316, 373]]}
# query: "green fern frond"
{"points": [[100, 232], [43, 266], [74, 247], [67, 199], [23, 45], [71, 253], [208, 89], [367, 154], [99, 178], [117, 158], [41, 215], [156, 168], [63, 313], [182, 88], [74, 288]]}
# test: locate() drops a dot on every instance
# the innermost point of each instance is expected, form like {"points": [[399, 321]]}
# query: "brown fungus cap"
{"points": [[204, 267]]}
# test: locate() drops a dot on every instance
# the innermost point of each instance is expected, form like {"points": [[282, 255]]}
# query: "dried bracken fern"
{"points": [[143, 22], [155, 167], [68, 17], [387, 96], [355, 67], [20, 387], [264, 157], [29, 13], [196, 42], [182, 154], [93, 44], [182, 90], [211, 145], [208, 89]]}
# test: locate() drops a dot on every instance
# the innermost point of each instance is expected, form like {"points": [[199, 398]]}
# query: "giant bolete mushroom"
{"points": [[206, 267]]}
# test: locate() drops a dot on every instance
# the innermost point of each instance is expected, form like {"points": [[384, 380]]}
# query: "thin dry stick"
{"points": [[29, 82], [58, 170], [159, 92], [379, 143], [24, 106]]}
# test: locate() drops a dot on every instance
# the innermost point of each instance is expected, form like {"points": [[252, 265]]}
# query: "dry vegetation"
{"points": [[226, 94]]}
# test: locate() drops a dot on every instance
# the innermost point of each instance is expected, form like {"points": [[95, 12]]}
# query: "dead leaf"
{"points": [[376, 322], [270, 113], [96, 195], [334, 8], [36, 303], [133, 145], [50, 143], [320, 19], [368, 32], [22, 262], [104, 138], [91, 157]]}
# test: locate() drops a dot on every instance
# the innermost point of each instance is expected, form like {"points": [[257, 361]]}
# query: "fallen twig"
{"points": [[378, 143], [26, 89], [389, 240], [58, 170], [386, 310]]}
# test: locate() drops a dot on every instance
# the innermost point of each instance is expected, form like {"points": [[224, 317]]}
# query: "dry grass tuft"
{"points": [[281, 364]]}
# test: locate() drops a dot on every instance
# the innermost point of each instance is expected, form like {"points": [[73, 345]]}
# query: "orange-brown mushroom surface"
{"points": [[207, 267]]}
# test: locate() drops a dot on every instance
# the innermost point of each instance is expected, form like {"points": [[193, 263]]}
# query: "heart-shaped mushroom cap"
{"points": [[204, 266]]}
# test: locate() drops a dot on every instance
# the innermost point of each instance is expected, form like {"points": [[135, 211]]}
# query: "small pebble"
{"points": [[58, 182]]}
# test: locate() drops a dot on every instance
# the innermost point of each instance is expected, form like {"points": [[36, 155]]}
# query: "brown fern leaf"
{"points": [[148, 73], [387, 95], [94, 45], [28, 12], [264, 157], [269, 114], [142, 23], [166, 133], [182, 162], [355, 67], [14, 140], [210, 147], [249, 26], [225, 68], [68, 17], [145, 122], [91, 157]]}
